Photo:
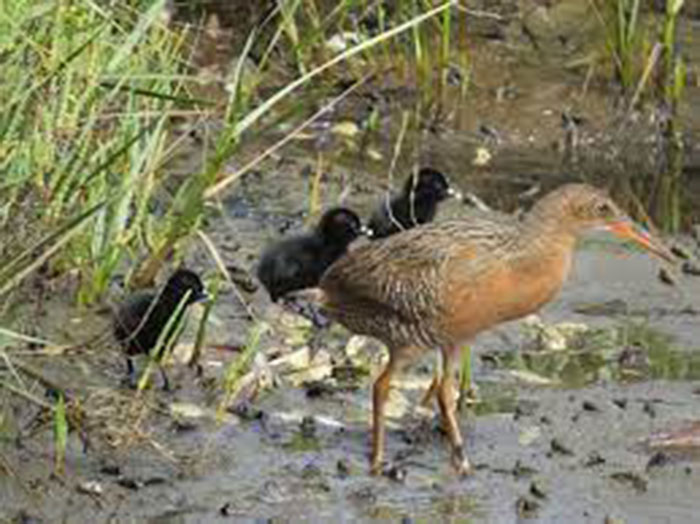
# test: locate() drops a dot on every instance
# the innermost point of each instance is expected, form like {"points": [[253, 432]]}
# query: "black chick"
{"points": [[140, 319], [416, 204], [299, 262]]}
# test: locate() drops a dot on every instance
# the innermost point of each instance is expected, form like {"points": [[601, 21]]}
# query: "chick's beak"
{"points": [[628, 230], [366, 231], [201, 297], [455, 193]]}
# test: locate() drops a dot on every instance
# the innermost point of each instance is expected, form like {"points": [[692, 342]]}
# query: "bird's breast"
{"points": [[507, 290]]}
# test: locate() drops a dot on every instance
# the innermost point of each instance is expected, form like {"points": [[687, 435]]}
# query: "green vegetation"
{"points": [[639, 44], [90, 94]]}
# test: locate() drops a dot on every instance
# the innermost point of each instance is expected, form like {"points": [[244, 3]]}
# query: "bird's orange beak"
{"points": [[628, 230]]}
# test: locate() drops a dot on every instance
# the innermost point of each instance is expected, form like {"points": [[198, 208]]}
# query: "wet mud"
{"points": [[588, 413]]}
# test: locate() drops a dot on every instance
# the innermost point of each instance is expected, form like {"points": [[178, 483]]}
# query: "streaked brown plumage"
{"points": [[438, 285]]}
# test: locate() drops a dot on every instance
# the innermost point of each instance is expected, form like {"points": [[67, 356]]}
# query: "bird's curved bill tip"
{"points": [[627, 229]]}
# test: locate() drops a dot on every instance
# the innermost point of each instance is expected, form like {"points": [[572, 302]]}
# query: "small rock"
{"points": [[620, 402], [530, 378], [343, 468], [365, 494], [589, 406], [667, 277], [319, 389], [307, 427], [155, 481], [649, 409], [695, 232], [558, 448], [246, 411], [90, 487], [226, 510], [111, 469], [482, 157], [529, 435], [339, 42], [182, 426], [526, 508], [657, 460], [396, 473], [242, 279], [525, 408], [613, 520], [130, 483], [520, 470], [538, 490], [310, 471], [186, 410], [681, 251], [594, 459], [633, 479], [347, 129], [605, 309], [690, 267]]}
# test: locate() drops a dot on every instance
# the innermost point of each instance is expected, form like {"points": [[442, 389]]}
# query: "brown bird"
{"points": [[438, 285]]}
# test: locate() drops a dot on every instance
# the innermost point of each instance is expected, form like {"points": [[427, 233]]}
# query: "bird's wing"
{"points": [[405, 275], [132, 312]]}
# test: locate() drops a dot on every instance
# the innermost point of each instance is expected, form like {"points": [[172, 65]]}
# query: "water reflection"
{"points": [[628, 352]]}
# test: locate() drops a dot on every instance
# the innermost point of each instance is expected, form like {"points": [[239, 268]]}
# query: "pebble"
{"points": [[537, 489], [690, 267], [657, 460], [526, 508], [90, 487], [589, 406], [620, 402], [635, 480], [594, 459], [558, 448]]}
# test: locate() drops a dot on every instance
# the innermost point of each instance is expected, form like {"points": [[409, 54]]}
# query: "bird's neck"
{"points": [[544, 234]]}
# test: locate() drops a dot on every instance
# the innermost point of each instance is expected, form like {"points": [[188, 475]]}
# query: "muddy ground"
{"points": [[599, 422], [541, 448]]}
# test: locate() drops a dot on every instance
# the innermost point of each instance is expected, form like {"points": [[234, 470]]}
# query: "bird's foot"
{"points": [[395, 472], [461, 463], [469, 396]]}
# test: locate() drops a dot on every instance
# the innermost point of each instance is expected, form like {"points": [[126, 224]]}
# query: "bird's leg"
{"points": [[428, 395], [166, 382], [130, 373], [379, 398], [448, 410]]}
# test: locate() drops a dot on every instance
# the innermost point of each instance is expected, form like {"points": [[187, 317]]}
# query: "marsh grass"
{"points": [[238, 367], [60, 431], [90, 96], [634, 40]]}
